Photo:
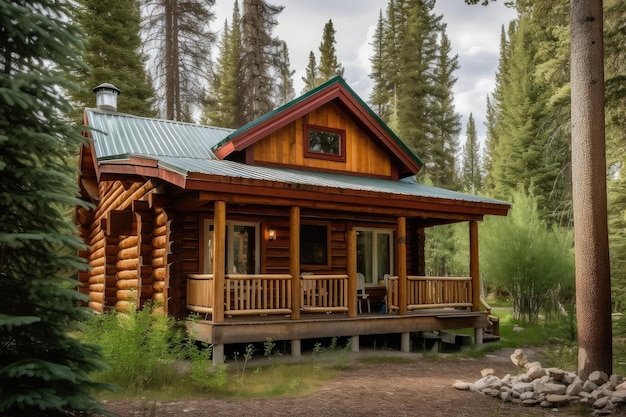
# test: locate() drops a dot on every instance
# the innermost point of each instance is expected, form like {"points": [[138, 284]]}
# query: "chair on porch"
{"points": [[361, 295]]}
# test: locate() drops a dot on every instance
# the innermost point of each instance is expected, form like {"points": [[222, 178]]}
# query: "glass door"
{"points": [[374, 254], [242, 243]]}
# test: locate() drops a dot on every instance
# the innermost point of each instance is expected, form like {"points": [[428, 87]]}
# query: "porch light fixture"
{"points": [[271, 233]]}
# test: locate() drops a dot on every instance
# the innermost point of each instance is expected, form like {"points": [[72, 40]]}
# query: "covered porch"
{"points": [[304, 304]]}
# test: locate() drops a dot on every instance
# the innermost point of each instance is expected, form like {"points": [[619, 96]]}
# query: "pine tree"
{"points": [[177, 34], [471, 175], [379, 97], [329, 65], [414, 82], [310, 78], [113, 55], [284, 85], [44, 370], [259, 47], [446, 122], [221, 105]]}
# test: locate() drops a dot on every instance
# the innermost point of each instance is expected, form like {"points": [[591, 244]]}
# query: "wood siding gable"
{"points": [[277, 139]]}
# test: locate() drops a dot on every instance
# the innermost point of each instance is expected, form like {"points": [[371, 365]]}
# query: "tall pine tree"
{"points": [[44, 369], [221, 105], [471, 172], [114, 55], [178, 37], [259, 48], [329, 65], [310, 78]]}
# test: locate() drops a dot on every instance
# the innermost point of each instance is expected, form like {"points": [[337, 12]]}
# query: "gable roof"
{"points": [[337, 90], [188, 156]]}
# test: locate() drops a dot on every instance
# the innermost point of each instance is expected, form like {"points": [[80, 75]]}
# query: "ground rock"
{"points": [[551, 388], [487, 371], [462, 385], [519, 358], [601, 402], [589, 386], [561, 398], [536, 372], [522, 387], [574, 389], [598, 377], [485, 382], [618, 397]]}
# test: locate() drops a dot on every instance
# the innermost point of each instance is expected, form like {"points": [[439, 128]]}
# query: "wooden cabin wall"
{"points": [[277, 251], [286, 146], [159, 256], [104, 251]]}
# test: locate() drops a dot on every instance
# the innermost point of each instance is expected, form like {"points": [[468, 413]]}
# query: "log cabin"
{"points": [[305, 223]]}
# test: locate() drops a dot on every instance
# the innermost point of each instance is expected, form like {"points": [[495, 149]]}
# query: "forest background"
{"points": [[159, 53]]}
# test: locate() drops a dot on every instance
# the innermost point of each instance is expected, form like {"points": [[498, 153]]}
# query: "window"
{"points": [[374, 254], [324, 143], [314, 244], [242, 241]]}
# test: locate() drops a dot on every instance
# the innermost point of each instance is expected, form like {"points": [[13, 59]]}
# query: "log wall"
{"points": [[112, 258]]}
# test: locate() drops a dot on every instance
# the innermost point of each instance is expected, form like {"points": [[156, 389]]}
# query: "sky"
{"points": [[474, 32]]}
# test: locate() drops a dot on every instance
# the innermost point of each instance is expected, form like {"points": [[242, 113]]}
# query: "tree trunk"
{"points": [[593, 279]]}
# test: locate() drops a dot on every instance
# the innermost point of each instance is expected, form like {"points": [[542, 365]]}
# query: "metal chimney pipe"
{"points": [[106, 96]]}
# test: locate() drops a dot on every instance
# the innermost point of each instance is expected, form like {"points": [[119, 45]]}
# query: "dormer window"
{"points": [[324, 143]]}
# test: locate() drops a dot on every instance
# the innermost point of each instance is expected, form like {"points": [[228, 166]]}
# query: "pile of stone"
{"points": [[551, 387]]}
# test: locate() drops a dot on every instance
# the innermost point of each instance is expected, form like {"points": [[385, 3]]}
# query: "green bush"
{"points": [[140, 348], [532, 262]]}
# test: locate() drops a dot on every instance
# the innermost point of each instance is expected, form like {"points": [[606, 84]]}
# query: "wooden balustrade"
{"points": [[324, 293], [271, 293], [431, 292], [257, 294], [438, 292]]}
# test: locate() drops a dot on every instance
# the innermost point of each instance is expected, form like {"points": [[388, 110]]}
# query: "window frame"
{"points": [[327, 242], [322, 155]]}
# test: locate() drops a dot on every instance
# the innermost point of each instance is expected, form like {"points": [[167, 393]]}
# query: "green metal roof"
{"points": [[407, 186], [117, 134]]}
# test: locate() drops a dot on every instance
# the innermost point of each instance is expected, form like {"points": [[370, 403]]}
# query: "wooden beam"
{"points": [[121, 223], [401, 264], [474, 266], [219, 254], [352, 273], [294, 260]]}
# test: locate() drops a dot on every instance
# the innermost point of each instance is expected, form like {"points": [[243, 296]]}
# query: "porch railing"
{"points": [[257, 294], [431, 292], [324, 293], [243, 294]]}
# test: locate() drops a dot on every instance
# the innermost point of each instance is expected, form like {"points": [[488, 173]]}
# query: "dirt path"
{"points": [[421, 387]]}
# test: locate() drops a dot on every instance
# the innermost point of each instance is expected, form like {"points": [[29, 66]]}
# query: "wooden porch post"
{"points": [[401, 264], [219, 255], [474, 267], [294, 263], [352, 278]]}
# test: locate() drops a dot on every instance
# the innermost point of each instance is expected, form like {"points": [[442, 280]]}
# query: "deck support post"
{"points": [[296, 348], [352, 274], [401, 264], [405, 342], [219, 254], [294, 260], [478, 336], [354, 345], [217, 355]]}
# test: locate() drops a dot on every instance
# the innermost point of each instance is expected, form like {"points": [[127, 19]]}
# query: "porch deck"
{"points": [[248, 329]]}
